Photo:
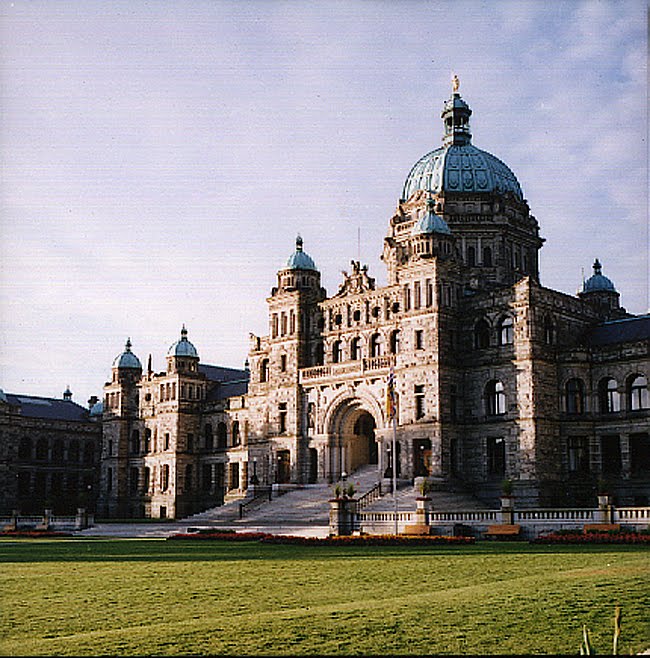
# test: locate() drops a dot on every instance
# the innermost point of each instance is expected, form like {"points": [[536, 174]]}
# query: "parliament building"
{"points": [[497, 377]]}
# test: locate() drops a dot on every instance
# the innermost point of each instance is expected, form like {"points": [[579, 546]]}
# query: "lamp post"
{"points": [[254, 479]]}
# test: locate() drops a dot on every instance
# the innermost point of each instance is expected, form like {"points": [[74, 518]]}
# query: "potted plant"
{"points": [[350, 491], [338, 491], [507, 497], [604, 493]]}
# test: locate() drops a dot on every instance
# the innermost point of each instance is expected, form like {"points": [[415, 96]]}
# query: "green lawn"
{"points": [[125, 597]]}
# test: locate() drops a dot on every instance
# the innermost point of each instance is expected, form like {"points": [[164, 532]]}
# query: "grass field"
{"points": [[142, 597]]}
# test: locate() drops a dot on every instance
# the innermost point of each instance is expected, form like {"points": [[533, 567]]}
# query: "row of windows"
{"points": [[485, 337], [283, 324], [41, 484], [210, 440], [56, 451], [212, 477], [579, 455], [167, 392], [609, 396]]}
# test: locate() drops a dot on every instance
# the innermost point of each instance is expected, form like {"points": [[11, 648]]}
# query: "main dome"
{"points": [[458, 166]]}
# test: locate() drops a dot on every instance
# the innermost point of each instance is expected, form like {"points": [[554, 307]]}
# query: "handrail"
{"points": [[369, 497], [260, 494]]}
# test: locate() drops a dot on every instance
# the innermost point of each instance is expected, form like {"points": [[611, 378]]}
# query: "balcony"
{"points": [[375, 364]]}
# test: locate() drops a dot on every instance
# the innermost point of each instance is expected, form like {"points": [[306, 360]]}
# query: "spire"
{"points": [[67, 394], [598, 268], [149, 365], [456, 114], [298, 242], [127, 345], [183, 333]]}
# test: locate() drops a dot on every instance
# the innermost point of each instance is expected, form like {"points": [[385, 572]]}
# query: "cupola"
{"points": [[182, 355], [599, 292], [431, 235], [127, 360], [299, 273]]}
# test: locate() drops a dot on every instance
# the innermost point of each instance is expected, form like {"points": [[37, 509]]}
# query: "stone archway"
{"points": [[351, 438]]}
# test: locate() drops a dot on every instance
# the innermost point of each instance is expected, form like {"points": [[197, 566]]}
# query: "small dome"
{"points": [[299, 260], [431, 223], [127, 359], [97, 409], [3, 397], [183, 347], [597, 281]]}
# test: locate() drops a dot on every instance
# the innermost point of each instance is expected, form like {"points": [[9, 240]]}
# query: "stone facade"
{"points": [[496, 376], [49, 455]]}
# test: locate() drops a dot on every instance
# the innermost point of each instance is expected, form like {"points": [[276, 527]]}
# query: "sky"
{"points": [[159, 158]]}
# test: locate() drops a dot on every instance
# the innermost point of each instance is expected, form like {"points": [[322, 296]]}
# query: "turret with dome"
{"points": [[299, 273]]}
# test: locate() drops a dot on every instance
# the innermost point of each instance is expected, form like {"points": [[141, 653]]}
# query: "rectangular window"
{"points": [[429, 292], [283, 363], [283, 324], [407, 297], [640, 454], [292, 322], [610, 454], [166, 441], [190, 442], [578, 454], [419, 339], [419, 401], [496, 456], [283, 417], [274, 326], [417, 295]]}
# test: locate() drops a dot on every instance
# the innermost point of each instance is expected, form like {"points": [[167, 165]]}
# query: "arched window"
{"points": [[222, 436], [41, 450], [608, 396], [209, 440], [264, 371], [355, 349], [236, 437], [506, 331], [57, 452], [25, 448], [376, 345], [471, 256], [394, 342], [638, 393], [147, 440], [575, 396], [487, 257], [481, 334], [495, 398], [549, 331], [337, 352]]}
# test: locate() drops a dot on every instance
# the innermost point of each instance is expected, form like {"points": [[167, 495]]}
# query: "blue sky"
{"points": [[159, 158]]}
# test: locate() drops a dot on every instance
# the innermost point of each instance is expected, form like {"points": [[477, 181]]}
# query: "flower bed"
{"points": [[593, 537], [348, 540], [35, 534]]}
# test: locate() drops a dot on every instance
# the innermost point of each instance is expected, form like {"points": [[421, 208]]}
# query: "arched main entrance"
{"points": [[352, 441]]}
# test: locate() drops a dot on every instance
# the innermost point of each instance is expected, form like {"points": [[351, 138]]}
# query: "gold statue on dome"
{"points": [[455, 82]]}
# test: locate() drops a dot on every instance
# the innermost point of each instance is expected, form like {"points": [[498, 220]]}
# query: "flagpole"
{"points": [[395, 468]]}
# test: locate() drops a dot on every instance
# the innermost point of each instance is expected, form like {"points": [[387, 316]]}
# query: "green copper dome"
{"points": [[598, 281], [183, 347], [299, 260], [431, 223], [127, 359], [458, 166]]}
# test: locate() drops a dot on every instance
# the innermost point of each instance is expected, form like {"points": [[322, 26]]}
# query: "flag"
{"points": [[390, 395]]}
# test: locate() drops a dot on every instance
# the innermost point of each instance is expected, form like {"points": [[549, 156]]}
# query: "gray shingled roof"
{"points": [[228, 382], [51, 408], [627, 330]]}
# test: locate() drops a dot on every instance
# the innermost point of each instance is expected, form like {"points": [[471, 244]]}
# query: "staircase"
{"points": [[305, 507], [441, 499]]}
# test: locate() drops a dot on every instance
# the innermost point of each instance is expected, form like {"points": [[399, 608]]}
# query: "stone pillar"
{"points": [[605, 511], [342, 513], [81, 521], [507, 512]]}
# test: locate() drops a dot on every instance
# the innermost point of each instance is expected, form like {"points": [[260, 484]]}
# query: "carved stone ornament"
{"points": [[356, 282]]}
